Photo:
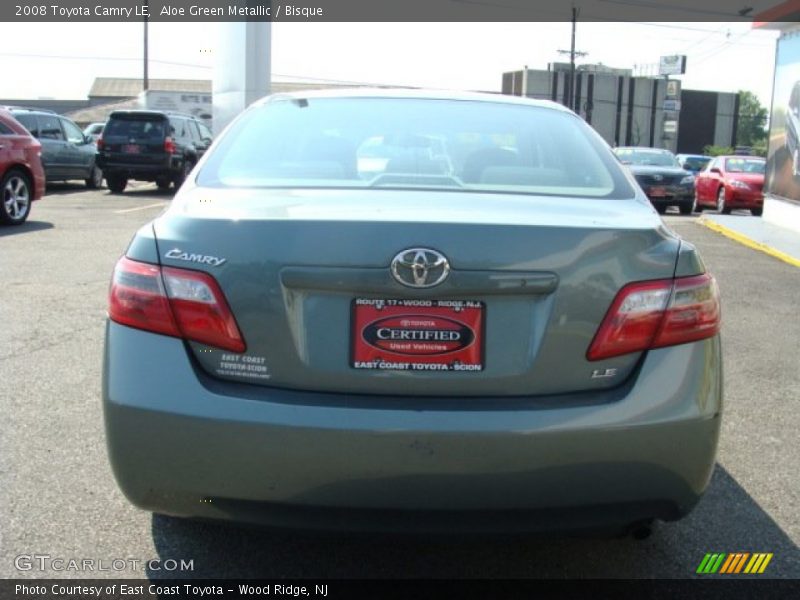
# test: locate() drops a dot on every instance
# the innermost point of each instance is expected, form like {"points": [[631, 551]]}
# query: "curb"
{"points": [[750, 243]]}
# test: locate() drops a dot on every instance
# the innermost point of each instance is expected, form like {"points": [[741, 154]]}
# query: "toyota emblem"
{"points": [[420, 267]]}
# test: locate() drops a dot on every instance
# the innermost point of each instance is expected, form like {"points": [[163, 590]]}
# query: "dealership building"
{"points": [[782, 182], [634, 111]]}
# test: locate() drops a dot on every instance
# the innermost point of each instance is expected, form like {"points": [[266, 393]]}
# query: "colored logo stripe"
{"points": [[758, 563], [734, 563], [711, 563]]}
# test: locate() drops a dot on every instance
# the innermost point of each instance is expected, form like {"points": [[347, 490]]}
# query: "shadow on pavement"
{"points": [[142, 191], [63, 188], [27, 227], [726, 520]]}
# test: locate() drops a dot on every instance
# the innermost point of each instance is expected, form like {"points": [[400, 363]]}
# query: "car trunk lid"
{"points": [[538, 274]]}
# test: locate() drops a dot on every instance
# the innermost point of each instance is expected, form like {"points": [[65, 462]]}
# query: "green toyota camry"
{"points": [[403, 310]]}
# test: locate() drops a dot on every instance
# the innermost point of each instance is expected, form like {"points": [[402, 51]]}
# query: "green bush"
{"points": [[717, 150]]}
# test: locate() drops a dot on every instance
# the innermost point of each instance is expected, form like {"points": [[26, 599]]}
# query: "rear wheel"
{"points": [[188, 165], [721, 207], [686, 208], [16, 197], [757, 212], [661, 209], [116, 183], [95, 179], [163, 182]]}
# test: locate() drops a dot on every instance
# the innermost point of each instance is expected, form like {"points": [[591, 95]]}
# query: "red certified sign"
{"points": [[417, 335]]}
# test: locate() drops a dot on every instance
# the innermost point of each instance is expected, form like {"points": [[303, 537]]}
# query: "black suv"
{"points": [[150, 145], [66, 152]]}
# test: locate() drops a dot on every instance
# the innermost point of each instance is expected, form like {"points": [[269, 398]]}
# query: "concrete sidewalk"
{"points": [[782, 243]]}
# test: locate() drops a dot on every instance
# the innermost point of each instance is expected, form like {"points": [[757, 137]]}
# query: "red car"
{"points": [[730, 182], [21, 172]]}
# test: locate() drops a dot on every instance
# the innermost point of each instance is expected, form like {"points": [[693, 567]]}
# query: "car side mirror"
{"points": [[87, 139], [715, 170], [686, 166]]}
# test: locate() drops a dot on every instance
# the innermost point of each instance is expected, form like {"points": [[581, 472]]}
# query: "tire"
{"points": [[696, 206], [163, 183], [188, 165], [757, 212], [686, 209], [95, 179], [116, 183], [721, 207], [17, 195], [660, 209]]}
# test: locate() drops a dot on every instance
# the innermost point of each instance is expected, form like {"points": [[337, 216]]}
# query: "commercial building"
{"points": [[634, 111]]}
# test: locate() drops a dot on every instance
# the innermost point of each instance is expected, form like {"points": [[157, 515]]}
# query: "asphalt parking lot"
{"points": [[58, 497]]}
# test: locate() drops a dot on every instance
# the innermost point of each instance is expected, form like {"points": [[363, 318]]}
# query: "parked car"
{"points": [[792, 143], [150, 146], [730, 182], [693, 162], [517, 344], [94, 130], [21, 174], [661, 177], [66, 152]]}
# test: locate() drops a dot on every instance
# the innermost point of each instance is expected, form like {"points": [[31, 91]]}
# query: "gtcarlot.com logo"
{"points": [[734, 563], [45, 562]]}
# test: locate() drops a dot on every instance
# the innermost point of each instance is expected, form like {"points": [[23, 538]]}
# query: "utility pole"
{"points": [[572, 54], [146, 78]]}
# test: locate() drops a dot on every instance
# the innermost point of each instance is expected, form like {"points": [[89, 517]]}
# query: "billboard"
{"points": [[191, 103], [783, 156], [672, 65]]}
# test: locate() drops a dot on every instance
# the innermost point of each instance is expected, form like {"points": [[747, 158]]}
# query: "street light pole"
{"points": [[570, 83], [572, 60], [146, 78]]}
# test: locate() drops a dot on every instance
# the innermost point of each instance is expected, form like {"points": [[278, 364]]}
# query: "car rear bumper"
{"points": [[169, 165], [39, 184], [181, 443]]}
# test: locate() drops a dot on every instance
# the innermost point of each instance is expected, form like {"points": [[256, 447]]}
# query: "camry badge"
{"points": [[420, 267], [203, 259]]}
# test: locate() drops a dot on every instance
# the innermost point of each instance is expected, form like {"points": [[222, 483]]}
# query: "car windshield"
{"points": [[745, 165], [647, 157], [414, 144]]}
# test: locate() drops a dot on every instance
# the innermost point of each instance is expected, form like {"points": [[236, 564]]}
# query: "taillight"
{"points": [[100, 143], [175, 302], [654, 314], [169, 145]]}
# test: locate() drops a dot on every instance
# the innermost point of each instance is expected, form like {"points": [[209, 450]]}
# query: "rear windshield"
{"points": [[414, 144], [140, 129], [745, 165], [646, 157], [695, 163]]}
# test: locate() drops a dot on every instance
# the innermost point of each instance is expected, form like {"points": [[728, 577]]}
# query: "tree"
{"points": [[751, 129]]}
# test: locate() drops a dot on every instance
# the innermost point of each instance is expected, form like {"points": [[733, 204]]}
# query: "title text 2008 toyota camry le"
{"points": [[389, 310]]}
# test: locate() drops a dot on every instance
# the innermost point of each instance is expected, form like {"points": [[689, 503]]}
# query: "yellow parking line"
{"points": [[127, 210], [750, 243]]}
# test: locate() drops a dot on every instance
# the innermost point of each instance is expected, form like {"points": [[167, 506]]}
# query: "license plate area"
{"points": [[131, 149], [658, 191], [417, 335]]}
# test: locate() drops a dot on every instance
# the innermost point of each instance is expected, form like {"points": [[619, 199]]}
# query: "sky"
{"points": [[60, 60]]}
